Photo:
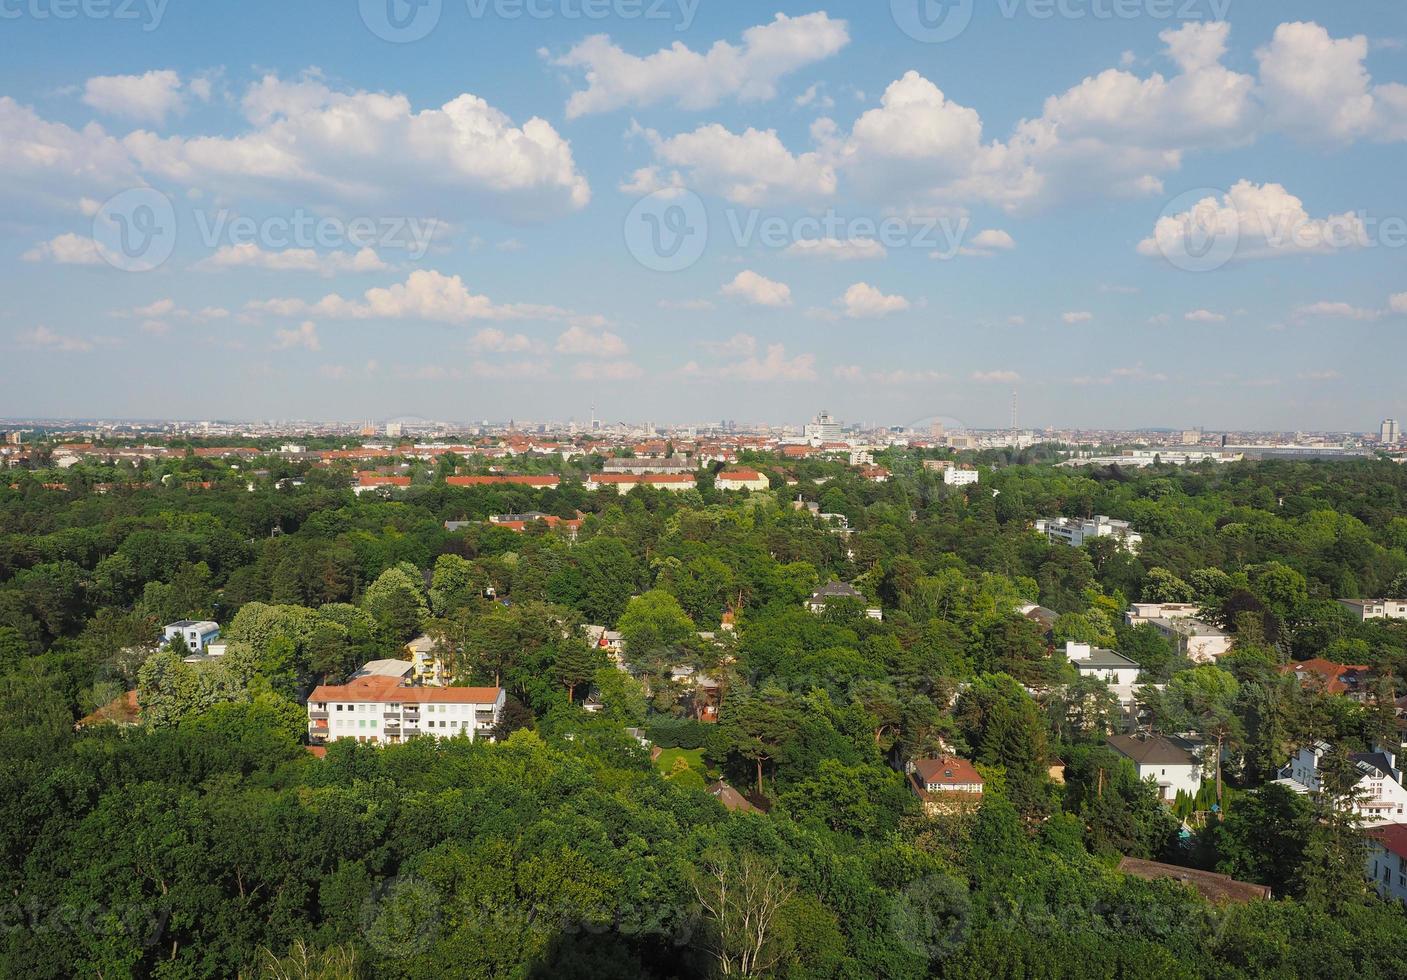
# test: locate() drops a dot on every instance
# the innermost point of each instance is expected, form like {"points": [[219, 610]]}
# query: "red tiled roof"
{"points": [[739, 475], [642, 478], [377, 480], [1335, 678], [382, 689], [484, 481], [947, 771], [1393, 837]]}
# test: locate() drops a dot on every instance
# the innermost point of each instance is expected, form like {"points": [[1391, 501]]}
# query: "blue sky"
{"points": [[685, 211]]}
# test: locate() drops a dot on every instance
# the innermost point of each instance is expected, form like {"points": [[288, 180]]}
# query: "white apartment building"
{"points": [[1366, 609], [196, 635], [822, 429], [1385, 862], [741, 480], [1192, 637], [1382, 799], [1075, 531], [381, 709], [960, 476]]}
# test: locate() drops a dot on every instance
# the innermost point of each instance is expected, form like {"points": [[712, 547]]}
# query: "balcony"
{"points": [[317, 714]]}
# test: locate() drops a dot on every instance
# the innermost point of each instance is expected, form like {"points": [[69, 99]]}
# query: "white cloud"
{"points": [[738, 345], [1336, 311], [837, 249], [1077, 316], [984, 244], [491, 340], [1260, 220], [305, 335], [1204, 316], [813, 96], [248, 255], [580, 341], [1398, 303], [996, 377], [758, 290], [374, 149], [863, 301], [774, 365], [425, 295], [42, 338], [150, 97], [750, 168], [66, 249], [694, 80]]}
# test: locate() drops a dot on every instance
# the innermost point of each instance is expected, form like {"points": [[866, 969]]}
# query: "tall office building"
{"points": [[1388, 433], [823, 428]]}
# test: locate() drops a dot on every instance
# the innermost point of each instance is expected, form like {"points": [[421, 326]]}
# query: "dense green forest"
{"points": [[208, 842]]}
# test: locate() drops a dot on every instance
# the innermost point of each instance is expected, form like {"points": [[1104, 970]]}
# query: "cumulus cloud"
{"points": [[425, 295], [1077, 316], [491, 340], [693, 80], [1257, 221], [996, 377], [749, 168], [581, 341], [149, 97], [864, 302], [1204, 316], [1335, 310], [837, 249], [758, 290], [42, 338], [773, 365], [66, 249], [987, 243], [248, 255], [304, 335]]}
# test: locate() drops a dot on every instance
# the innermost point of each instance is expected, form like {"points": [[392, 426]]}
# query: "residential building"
{"points": [[741, 480], [1196, 640], [1112, 668], [1144, 612], [398, 669], [623, 483], [1385, 861], [520, 522], [823, 429], [945, 783], [640, 465], [960, 476], [1076, 531], [1043, 617], [426, 662], [731, 799], [833, 591], [1379, 796], [875, 474], [1170, 762], [379, 483], [504, 480], [1366, 609], [1350, 680], [1388, 433], [382, 709], [196, 635]]}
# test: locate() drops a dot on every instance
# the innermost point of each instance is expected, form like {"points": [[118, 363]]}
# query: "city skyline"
{"points": [[710, 212]]}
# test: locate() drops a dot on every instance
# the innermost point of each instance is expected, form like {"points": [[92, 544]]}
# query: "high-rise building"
{"points": [[1388, 433], [823, 428]]}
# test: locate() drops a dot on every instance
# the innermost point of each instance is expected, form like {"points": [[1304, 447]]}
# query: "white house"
{"points": [[1385, 862], [427, 664], [1380, 797], [1196, 640], [1146, 612], [741, 480], [833, 591], [1366, 609], [1075, 531], [196, 635], [1114, 669], [623, 483], [1170, 762], [380, 708]]}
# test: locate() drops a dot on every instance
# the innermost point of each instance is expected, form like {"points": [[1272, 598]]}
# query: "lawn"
{"points": [[684, 766]]}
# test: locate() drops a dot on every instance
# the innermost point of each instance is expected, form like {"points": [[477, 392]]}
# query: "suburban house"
{"points": [[731, 799], [1170, 762], [836, 591], [741, 480], [1040, 615], [1350, 680], [520, 522], [196, 635], [639, 466], [1076, 531], [1385, 861], [382, 709], [953, 474], [1144, 612], [945, 783], [1112, 668], [1380, 797], [379, 483], [426, 664], [875, 474], [1366, 609], [623, 483], [123, 711]]}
